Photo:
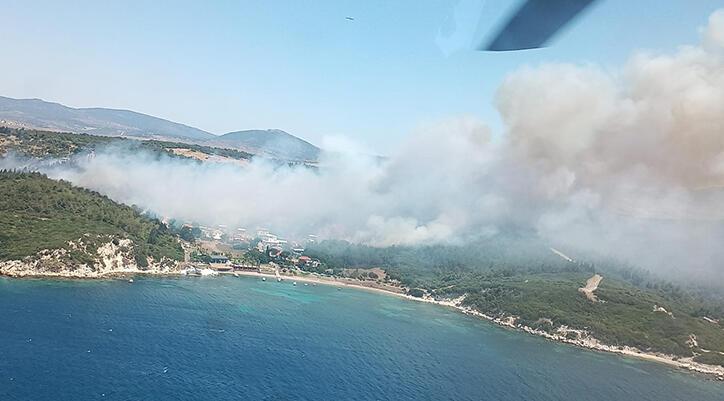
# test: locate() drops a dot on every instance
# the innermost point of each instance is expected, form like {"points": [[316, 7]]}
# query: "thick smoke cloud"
{"points": [[628, 163]]}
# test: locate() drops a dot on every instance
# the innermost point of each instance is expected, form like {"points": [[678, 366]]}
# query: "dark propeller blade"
{"points": [[535, 22]]}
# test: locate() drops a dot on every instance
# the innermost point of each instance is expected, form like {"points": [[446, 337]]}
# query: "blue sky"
{"points": [[300, 65]]}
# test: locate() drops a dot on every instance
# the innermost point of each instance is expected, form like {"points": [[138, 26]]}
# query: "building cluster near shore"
{"points": [[224, 248], [236, 249]]}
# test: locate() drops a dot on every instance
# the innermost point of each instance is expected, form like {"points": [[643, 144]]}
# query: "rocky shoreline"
{"points": [[583, 340], [109, 259], [561, 334]]}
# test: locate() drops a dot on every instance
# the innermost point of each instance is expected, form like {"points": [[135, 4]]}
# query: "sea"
{"points": [[229, 338]]}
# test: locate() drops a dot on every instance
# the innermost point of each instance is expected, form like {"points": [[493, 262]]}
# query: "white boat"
{"points": [[263, 279], [294, 283], [192, 271], [236, 274], [130, 280]]}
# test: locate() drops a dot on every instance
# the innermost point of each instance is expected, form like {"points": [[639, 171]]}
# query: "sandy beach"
{"points": [[364, 285]]}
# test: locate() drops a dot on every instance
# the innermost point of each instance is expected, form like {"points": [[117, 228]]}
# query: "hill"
{"points": [[521, 283], [36, 114], [42, 144], [53, 228], [273, 142], [39, 114]]}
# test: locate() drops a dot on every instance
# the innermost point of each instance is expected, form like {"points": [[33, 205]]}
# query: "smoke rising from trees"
{"points": [[628, 163]]}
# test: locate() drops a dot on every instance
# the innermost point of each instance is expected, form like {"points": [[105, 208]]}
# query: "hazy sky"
{"points": [[300, 65]]}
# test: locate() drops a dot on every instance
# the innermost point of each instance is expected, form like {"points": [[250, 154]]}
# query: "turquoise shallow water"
{"points": [[243, 339]]}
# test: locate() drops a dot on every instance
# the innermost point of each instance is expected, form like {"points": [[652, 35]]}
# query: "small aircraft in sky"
{"points": [[349, 18]]}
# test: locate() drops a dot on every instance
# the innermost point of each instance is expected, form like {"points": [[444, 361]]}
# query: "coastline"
{"points": [[509, 322]]}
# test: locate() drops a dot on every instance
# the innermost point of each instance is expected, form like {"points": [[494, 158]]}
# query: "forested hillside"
{"points": [[37, 213], [519, 276], [41, 144]]}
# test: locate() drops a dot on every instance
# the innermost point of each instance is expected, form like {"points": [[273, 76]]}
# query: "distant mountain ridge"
{"points": [[272, 142], [39, 114]]}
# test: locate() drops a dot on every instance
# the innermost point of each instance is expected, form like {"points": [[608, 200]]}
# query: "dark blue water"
{"points": [[243, 339]]}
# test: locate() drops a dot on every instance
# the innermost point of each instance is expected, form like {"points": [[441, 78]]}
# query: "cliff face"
{"points": [[113, 257]]}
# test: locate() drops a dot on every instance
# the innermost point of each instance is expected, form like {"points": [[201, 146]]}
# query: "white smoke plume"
{"points": [[628, 163]]}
